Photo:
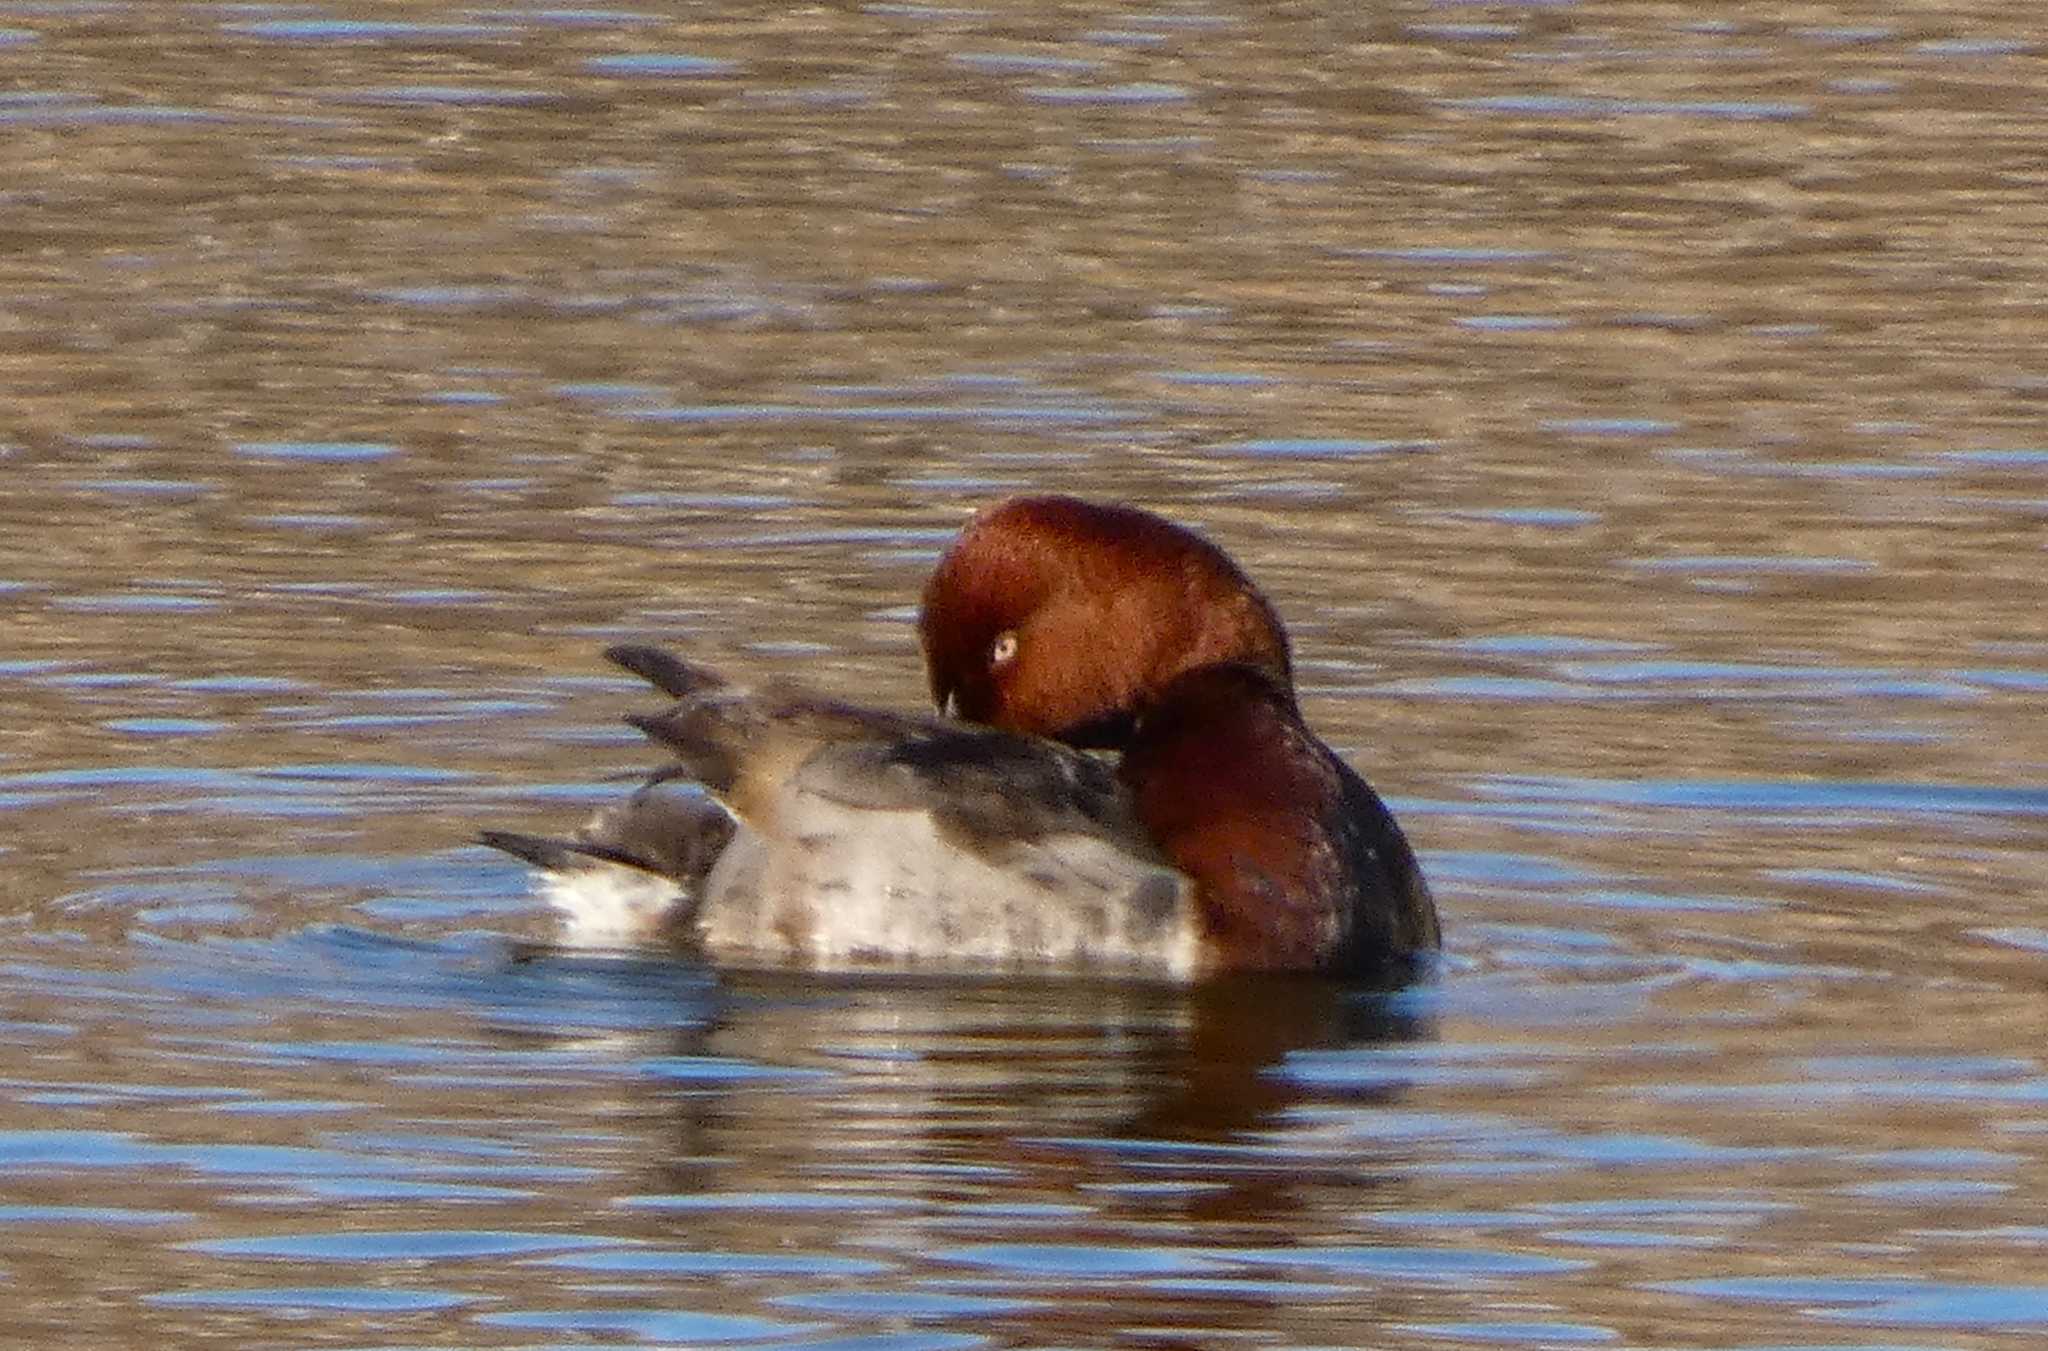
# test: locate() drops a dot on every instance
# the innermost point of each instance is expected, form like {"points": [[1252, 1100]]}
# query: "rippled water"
{"points": [[1635, 408]]}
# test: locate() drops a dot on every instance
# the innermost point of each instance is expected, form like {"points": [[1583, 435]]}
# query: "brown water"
{"points": [[1636, 409]]}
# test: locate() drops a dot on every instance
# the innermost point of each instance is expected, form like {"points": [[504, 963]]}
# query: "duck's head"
{"points": [[1064, 618]]}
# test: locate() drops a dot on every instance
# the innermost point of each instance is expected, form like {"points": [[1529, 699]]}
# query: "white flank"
{"points": [[864, 886]]}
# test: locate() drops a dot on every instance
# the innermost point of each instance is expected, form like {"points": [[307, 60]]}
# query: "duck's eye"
{"points": [[1002, 651]]}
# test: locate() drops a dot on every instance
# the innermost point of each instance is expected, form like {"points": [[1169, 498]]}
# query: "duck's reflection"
{"points": [[966, 1134], [1007, 1091]]}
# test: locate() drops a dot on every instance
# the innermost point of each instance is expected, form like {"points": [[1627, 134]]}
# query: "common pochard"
{"points": [[799, 830]]}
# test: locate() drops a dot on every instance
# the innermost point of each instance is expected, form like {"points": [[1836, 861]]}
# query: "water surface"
{"points": [[1635, 410]]}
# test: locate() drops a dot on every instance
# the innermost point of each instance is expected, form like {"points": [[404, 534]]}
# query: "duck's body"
{"points": [[1228, 837]]}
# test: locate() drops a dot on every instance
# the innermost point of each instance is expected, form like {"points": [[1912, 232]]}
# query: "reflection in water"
{"points": [[1001, 1133], [955, 1073], [1634, 409]]}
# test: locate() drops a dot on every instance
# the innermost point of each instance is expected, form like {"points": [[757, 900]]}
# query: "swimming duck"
{"points": [[799, 830]]}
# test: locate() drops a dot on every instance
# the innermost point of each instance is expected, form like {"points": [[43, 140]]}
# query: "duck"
{"points": [[1116, 777]]}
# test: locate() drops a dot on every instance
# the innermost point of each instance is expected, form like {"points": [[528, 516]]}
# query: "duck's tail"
{"points": [[667, 672], [710, 728], [632, 875], [736, 741]]}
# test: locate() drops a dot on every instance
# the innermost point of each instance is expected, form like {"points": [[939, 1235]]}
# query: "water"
{"points": [[1634, 410]]}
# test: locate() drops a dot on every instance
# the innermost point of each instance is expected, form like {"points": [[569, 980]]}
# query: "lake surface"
{"points": [[1639, 411]]}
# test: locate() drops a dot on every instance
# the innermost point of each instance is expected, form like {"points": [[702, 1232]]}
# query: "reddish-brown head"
{"points": [[1063, 618]]}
